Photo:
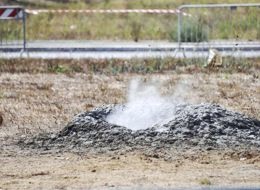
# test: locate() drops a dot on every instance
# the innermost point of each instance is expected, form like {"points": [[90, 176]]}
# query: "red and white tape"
{"points": [[108, 11], [11, 13]]}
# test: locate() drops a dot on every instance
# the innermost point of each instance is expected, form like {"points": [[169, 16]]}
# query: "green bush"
{"points": [[135, 30], [56, 68]]}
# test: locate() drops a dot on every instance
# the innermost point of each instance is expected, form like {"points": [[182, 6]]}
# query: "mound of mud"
{"points": [[203, 126]]}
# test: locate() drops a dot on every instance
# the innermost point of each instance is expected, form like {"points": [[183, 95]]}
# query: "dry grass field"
{"points": [[34, 102]]}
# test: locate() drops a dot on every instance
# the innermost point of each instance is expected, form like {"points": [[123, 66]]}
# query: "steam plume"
{"points": [[145, 107]]}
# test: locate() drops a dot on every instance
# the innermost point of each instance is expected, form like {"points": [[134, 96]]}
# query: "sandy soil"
{"points": [[70, 171], [33, 103]]}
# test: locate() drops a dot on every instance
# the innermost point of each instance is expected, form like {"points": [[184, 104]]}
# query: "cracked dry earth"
{"points": [[34, 104]]}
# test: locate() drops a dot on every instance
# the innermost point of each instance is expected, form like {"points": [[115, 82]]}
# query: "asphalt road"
{"points": [[126, 49]]}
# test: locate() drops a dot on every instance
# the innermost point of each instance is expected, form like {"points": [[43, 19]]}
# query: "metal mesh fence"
{"points": [[226, 28]]}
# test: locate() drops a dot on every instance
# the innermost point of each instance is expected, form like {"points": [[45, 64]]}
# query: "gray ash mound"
{"points": [[204, 126]]}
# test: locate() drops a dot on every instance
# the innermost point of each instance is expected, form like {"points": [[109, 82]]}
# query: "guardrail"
{"points": [[7, 15]]}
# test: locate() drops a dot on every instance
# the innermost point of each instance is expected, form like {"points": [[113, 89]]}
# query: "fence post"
{"points": [[179, 26], [24, 30]]}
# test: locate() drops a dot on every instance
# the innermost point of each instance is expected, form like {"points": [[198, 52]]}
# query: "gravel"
{"points": [[203, 126]]}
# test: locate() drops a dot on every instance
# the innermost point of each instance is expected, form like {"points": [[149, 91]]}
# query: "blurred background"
{"points": [[203, 25]]}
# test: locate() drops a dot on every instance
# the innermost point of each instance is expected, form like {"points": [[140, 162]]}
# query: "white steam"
{"points": [[145, 107]]}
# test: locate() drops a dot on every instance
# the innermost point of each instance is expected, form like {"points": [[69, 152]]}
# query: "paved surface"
{"points": [[126, 49]]}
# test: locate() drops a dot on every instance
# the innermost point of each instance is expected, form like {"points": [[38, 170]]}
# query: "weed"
{"points": [[56, 68], [135, 31], [205, 181], [76, 68], [135, 65]]}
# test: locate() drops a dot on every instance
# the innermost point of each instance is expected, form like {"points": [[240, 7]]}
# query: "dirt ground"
{"points": [[34, 103], [70, 171]]}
